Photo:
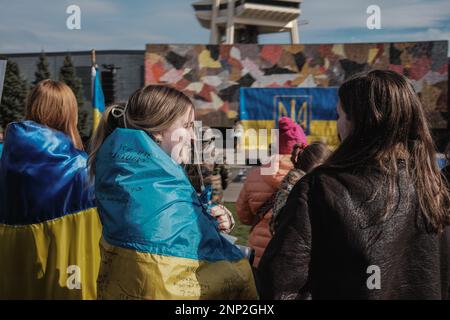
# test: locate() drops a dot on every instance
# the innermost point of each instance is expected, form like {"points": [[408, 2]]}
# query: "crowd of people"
{"points": [[135, 220]]}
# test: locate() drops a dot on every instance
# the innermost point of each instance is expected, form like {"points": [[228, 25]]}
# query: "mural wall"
{"points": [[213, 74]]}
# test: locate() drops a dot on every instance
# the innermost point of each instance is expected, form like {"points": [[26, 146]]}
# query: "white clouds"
{"points": [[429, 34], [401, 20], [398, 14], [98, 7], [416, 14], [33, 25]]}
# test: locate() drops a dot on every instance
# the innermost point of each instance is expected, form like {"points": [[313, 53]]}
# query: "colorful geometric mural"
{"points": [[213, 74]]}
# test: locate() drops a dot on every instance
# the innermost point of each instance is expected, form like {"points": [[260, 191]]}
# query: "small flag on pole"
{"points": [[98, 99]]}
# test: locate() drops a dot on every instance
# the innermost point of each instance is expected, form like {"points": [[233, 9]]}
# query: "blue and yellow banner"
{"points": [[313, 108], [49, 226], [158, 240], [98, 98]]}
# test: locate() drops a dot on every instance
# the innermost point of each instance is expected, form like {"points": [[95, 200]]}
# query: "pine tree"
{"points": [[42, 72], [12, 105], [68, 76]]}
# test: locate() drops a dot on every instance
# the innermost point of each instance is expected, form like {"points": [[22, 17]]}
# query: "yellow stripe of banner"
{"points": [[320, 130], [325, 131], [257, 125]]}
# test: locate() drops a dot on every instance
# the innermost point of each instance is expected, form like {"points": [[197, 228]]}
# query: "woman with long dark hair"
{"points": [[371, 222]]}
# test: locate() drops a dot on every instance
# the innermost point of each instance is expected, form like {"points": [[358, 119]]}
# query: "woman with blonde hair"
{"points": [[158, 241], [49, 227]]}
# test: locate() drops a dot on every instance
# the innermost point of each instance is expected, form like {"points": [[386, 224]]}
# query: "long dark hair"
{"points": [[389, 125]]}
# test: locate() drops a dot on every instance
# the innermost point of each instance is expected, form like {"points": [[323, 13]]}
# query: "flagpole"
{"points": [[93, 72], [98, 99], [93, 58], [93, 75]]}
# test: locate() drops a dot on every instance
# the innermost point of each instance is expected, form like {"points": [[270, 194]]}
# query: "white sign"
{"points": [[2, 76]]}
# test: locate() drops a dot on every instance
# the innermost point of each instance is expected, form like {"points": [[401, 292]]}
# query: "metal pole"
{"points": [[230, 22]]}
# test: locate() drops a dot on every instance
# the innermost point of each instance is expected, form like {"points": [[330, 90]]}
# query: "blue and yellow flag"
{"points": [[313, 108], [158, 240], [49, 226], [98, 99]]}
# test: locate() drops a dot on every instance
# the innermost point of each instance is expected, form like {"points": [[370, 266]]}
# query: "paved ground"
{"points": [[232, 192]]}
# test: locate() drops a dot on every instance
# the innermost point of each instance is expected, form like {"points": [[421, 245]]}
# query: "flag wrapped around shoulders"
{"points": [[158, 241], [98, 98], [49, 226]]}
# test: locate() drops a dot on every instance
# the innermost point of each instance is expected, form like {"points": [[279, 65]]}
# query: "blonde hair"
{"points": [[153, 108], [53, 104]]}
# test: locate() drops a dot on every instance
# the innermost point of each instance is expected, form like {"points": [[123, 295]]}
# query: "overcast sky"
{"points": [[35, 25]]}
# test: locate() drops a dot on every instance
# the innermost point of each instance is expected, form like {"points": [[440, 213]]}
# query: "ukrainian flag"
{"points": [[98, 99], [313, 108], [49, 226], [158, 241]]}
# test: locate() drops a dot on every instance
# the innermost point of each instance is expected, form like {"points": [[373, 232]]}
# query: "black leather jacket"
{"points": [[331, 234]]}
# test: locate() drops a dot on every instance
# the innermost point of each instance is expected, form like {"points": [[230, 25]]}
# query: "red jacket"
{"points": [[256, 190]]}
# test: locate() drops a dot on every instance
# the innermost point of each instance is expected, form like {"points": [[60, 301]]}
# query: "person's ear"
{"points": [[158, 137]]}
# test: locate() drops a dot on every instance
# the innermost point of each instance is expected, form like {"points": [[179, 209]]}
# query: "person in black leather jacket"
{"points": [[372, 222]]}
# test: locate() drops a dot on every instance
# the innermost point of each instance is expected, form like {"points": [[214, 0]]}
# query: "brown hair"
{"points": [[307, 158], [389, 125], [53, 104], [447, 153], [153, 108]]}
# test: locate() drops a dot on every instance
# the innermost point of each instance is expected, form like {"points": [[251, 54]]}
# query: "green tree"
{"points": [[42, 72], [12, 105], [68, 75]]}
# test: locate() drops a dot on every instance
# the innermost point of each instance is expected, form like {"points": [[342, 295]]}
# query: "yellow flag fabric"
{"points": [[131, 275], [48, 260], [49, 225]]}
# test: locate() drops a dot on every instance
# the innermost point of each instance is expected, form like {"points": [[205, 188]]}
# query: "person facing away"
{"points": [[49, 226], [159, 241], [255, 200], [372, 221], [304, 158]]}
